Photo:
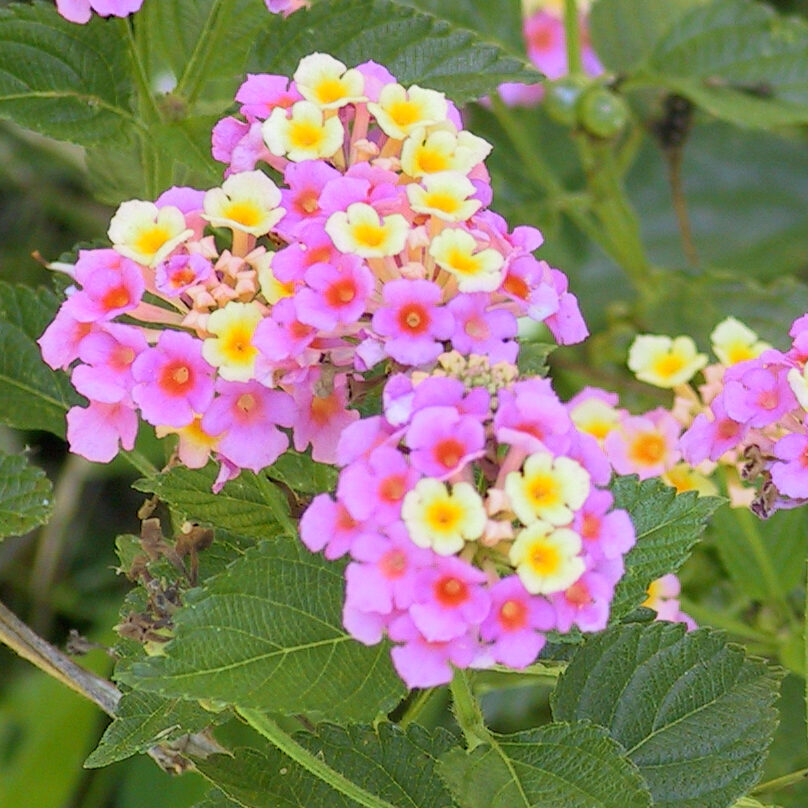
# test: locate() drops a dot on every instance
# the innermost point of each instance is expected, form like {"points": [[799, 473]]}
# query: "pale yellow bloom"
{"points": [[546, 558], [664, 362], [231, 349]]}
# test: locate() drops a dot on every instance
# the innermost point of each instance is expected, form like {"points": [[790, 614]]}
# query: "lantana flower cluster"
{"points": [[656, 443], [756, 415], [476, 519], [229, 315]]}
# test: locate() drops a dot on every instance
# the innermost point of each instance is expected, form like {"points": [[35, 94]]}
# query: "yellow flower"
{"points": [[733, 342], [248, 201], [400, 111], [231, 349], [664, 362], [441, 520], [306, 135], [546, 558], [445, 196], [327, 82], [145, 233], [480, 271], [548, 489], [362, 231]]}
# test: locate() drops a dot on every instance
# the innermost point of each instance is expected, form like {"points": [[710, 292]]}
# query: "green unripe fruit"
{"points": [[561, 99], [602, 113]]}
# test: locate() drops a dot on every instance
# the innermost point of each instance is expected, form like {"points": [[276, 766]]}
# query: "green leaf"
{"points": [[692, 711], [32, 396], [739, 60], [499, 22], [747, 203], [759, 555], [205, 38], [143, 720], [396, 766], [267, 634], [667, 526], [532, 359], [415, 47], [250, 505], [624, 32], [215, 799], [64, 80], [26, 496], [303, 474], [555, 766]]}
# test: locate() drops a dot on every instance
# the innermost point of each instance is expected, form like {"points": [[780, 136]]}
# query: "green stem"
{"points": [[310, 762], [467, 711], [612, 208], [195, 73], [781, 782], [572, 35], [145, 96], [416, 707], [541, 173], [140, 462]]}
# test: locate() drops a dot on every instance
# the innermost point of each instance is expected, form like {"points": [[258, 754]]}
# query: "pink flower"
{"points": [[790, 470], [483, 330], [81, 10], [606, 534], [111, 285], [173, 380], [585, 603], [60, 341], [757, 396], [109, 354], [421, 663], [282, 336], [514, 623], [301, 200], [328, 525], [321, 418], [375, 487], [711, 437], [95, 432], [413, 321], [644, 445], [335, 293], [248, 414], [181, 271], [443, 441], [449, 599]]}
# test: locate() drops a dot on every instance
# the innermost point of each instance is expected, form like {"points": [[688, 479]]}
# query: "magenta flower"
{"points": [[327, 525], [482, 330], [514, 623], [282, 336], [173, 380], [383, 576], [111, 285], [606, 534], [758, 396], [413, 321], [443, 441], [81, 10], [98, 432], [335, 293], [708, 438], [60, 341], [421, 663], [108, 354], [376, 487], [301, 200], [248, 414], [790, 470], [449, 599], [585, 603], [260, 93], [314, 247], [180, 272], [321, 418]]}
